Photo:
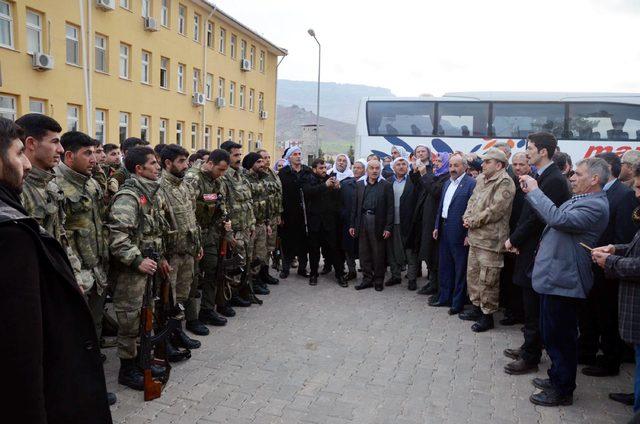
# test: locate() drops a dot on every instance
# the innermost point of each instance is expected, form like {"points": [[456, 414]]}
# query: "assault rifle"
{"points": [[152, 347]]}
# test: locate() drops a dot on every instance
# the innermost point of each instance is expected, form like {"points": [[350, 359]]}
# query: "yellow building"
{"points": [[168, 70]]}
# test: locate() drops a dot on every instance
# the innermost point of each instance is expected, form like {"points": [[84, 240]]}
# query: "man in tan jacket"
{"points": [[487, 218]]}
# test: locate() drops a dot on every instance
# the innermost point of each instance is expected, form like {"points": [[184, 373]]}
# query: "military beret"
{"points": [[494, 153]]}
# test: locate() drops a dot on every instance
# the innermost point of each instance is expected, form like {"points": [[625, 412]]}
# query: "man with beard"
{"points": [[274, 201], [121, 174], [183, 246], [97, 172], [44, 314], [322, 198]]}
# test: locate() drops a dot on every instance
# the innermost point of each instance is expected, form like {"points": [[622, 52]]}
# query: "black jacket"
{"points": [[622, 202], [384, 209], [425, 216], [293, 218], [50, 357], [323, 204], [348, 194], [408, 201], [526, 235]]}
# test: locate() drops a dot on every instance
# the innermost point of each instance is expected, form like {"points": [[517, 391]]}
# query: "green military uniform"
{"points": [[210, 212], [259, 194], [43, 200], [136, 223], [183, 245], [240, 207], [274, 204], [84, 209], [117, 178]]}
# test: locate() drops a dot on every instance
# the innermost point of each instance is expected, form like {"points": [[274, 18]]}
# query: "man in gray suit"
{"points": [[562, 271]]}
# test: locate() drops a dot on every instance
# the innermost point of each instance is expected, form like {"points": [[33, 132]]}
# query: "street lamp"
{"points": [[313, 34]]}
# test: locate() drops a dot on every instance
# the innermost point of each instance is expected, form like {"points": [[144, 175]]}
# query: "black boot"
{"points": [[197, 328], [412, 285], [313, 280], [341, 281], [111, 398], [209, 317], [239, 302], [130, 375], [226, 311], [258, 288], [485, 323], [266, 278], [176, 355], [180, 339], [472, 314]]}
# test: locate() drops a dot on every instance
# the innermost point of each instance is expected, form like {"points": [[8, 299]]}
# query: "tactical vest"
{"points": [[239, 200], [43, 199], [210, 205], [274, 194], [181, 216], [259, 195]]}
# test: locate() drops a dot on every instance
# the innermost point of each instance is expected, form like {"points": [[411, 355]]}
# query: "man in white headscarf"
{"points": [[342, 168]]}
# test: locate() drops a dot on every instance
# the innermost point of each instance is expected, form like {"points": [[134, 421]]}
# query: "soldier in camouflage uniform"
{"points": [[487, 218], [240, 207], [183, 245], [136, 224], [274, 205], [98, 172], [210, 196], [41, 196], [121, 174], [84, 211], [257, 178]]}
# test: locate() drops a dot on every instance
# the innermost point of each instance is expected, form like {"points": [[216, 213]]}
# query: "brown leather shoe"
{"points": [[512, 353], [520, 367]]}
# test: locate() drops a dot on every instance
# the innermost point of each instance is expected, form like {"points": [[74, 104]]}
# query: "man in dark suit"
{"points": [[372, 222], [454, 246], [404, 204], [599, 315], [51, 356], [524, 241]]}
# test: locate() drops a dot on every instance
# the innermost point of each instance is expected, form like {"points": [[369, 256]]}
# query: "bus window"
{"points": [[463, 119], [518, 120], [400, 118], [604, 121]]}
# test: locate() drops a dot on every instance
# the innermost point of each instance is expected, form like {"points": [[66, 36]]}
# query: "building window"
{"points": [[144, 127], [182, 19], [124, 61], [145, 71], [196, 27], [179, 127], [240, 136], [207, 137], [146, 8], [165, 7], [260, 102], [221, 87], [194, 135], [232, 93], [232, 46], [125, 4], [208, 88], [250, 141], [259, 141], [73, 45], [73, 114], [243, 49], [34, 32], [164, 72], [242, 97], [102, 63], [230, 134], [252, 57], [6, 25], [181, 68], [251, 97], [36, 106], [262, 58], [8, 107], [223, 40], [163, 131], [196, 80], [123, 126], [219, 136], [210, 34], [101, 120]]}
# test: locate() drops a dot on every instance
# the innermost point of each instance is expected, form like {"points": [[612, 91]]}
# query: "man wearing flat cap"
{"points": [[487, 219]]}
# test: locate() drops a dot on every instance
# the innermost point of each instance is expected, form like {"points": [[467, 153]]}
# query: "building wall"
{"points": [[64, 85]]}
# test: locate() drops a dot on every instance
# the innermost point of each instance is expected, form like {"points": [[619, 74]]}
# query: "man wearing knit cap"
{"points": [[487, 219]]}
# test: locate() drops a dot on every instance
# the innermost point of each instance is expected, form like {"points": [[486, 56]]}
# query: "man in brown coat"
{"points": [[487, 218]]}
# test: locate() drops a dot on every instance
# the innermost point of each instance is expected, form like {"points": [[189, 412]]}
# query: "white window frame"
{"points": [[179, 131], [196, 80], [252, 95], [101, 45], [208, 87], [243, 49], [233, 40], [34, 30], [123, 123], [165, 63], [162, 131], [42, 106], [124, 69], [181, 69], [250, 140], [8, 19], [145, 124], [262, 60], [165, 13], [219, 133], [232, 93], [252, 56], [196, 27], [182, 19], [145, 67], [231, 134], [145, 8], [260, 101], [259, 141], [222, 42], [101, 124], [125, 4], [194, 135], [207, 137], [73, 117], [241, 97], [210, 36], [74, 42], [10, 112], [221, 87], [240, 136]]}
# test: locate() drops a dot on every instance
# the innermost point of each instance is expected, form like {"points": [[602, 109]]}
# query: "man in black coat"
{"points": [[524, 241], [372, 222], [598, 319], [50, 357], [323, 201]]}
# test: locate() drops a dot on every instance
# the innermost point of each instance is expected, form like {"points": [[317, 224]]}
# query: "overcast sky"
{"points": [[414, 47]]}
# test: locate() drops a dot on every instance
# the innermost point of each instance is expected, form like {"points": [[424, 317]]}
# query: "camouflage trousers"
{"points": [[181, 278], [212, 292], [127, 301], [244, 247], [483, 278], [259, 248], [271, 240]]}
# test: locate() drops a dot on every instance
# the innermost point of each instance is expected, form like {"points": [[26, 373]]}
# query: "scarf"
{"points": [[347, 171], [289, 152], [444, 168]]}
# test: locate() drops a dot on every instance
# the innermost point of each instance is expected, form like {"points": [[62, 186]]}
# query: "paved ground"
{"points": [[327, 354]]}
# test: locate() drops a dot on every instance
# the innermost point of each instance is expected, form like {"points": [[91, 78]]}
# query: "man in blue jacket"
{"points": [[562, 271]]}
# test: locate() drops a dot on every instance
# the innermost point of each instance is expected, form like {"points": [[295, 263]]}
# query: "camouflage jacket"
{"points": [[239, 201], [259, 194], [100, 175], [117, 178], [136, 221], [210, 198], [488, 211], [180, 215], [274, 194], [84, 209]]}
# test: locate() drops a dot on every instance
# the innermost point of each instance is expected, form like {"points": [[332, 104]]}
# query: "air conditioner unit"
{"points": [[106, 4], [221, 102], [264, 114], [245, 65], [198, 99], [150, 24], [41, 61]]}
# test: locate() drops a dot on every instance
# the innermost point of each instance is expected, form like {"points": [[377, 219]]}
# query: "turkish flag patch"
{"points": [[211, 197], [143, 199]]}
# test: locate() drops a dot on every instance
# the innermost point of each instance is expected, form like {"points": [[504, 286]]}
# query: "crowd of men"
{"points": [[83, 224]]}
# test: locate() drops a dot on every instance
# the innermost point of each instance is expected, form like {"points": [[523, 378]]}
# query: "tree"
{"points": [[351, 154]]}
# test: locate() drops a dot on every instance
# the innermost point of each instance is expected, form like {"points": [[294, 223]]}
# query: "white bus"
{"points": [[585, 124]]}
